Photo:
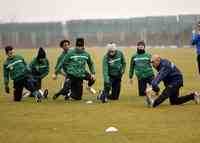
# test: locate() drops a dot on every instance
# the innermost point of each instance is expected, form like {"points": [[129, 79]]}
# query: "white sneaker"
{"points": [[197, 97], [149, 101], [26, 94], [92, 90]]}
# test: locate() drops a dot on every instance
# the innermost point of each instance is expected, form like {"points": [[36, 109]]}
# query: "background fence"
{"points": [[155, 31]]}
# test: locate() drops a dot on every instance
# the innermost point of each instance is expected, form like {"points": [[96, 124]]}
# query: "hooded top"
{"points": [[41, 53], [79, 42], [39, 66]]}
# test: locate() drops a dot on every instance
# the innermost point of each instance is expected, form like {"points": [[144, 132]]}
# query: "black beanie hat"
{"points": [[79, 42], [41, 53]]}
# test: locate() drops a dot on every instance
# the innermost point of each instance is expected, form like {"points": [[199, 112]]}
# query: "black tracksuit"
{"points": [[76, 85], [173, 81], [114, 86]]}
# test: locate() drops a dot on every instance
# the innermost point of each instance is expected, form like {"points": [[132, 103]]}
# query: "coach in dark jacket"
{"points": [[173, 81]]}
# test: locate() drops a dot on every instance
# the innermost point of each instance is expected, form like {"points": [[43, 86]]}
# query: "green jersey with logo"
{"points": [[59, 61], [14, 68], [75, 62], [140, 64], [113, 66], [39, 69]]}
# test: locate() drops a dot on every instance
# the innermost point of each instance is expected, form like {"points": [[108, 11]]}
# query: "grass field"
{"points": [[78, 122]]}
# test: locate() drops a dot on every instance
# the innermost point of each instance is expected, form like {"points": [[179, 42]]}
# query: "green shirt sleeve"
{"points": [[150, 56], [105, 70], [31, 65], [91, 64], [22, 59], [65, 59], [123, 63], [131, 70], [46, 70], [5, 74], [27, 65]]}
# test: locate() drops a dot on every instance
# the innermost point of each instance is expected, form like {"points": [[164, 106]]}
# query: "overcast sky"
{"points": [[54, 10]]}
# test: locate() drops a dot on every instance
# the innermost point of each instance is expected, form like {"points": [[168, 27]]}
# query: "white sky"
{"points": [[56, 10]]}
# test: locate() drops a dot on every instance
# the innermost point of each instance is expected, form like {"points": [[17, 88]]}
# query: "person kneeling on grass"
{"points": [[141, 64], [16, 68], [74, 65], [39, 68], [114, 65], [66, 89], [173, 81]]}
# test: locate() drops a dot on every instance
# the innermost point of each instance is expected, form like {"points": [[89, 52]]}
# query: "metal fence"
{"points": [[155, 31]]}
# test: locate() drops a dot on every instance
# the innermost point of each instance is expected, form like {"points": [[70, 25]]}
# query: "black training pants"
{"points": [[198, 62], [172, 92], [114, 86], [77, 85], [29, 83], [66, 87], [142, 85]]}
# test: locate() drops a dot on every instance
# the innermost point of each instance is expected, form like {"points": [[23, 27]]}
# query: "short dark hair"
{"points": [[8, 48], [79, 42], [64, 41], [141, 43]]}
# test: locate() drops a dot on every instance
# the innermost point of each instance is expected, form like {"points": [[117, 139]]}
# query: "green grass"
{"points": [[78, 122]]}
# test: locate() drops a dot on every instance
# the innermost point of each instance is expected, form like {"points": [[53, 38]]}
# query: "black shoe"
{"points": [[104, 99], [101, 96], [110, 97], [67, 97], [55, 96], [38, 97], [45, 94]]}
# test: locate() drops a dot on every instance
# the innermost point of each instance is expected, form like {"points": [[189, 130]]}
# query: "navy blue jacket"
{"points": [[169, 74], [196, 41]]}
